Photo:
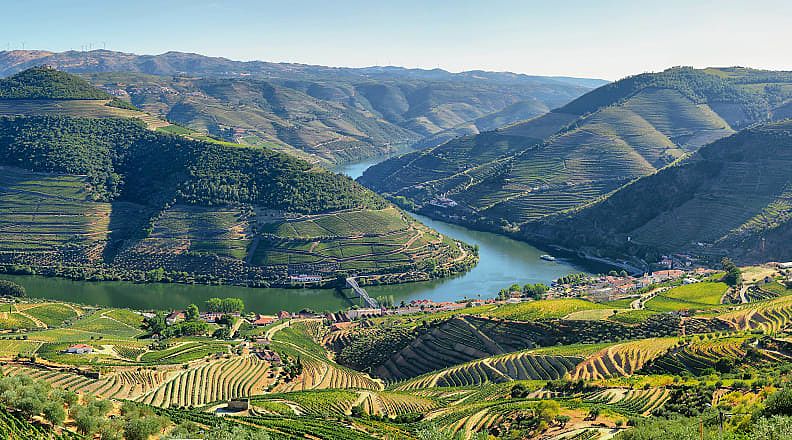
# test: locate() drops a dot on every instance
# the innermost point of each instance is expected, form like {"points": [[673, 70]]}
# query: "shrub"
{"points": [[10, 288]]}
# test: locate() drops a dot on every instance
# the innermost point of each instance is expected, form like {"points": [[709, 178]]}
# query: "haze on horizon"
{"points": [[607, 39]]}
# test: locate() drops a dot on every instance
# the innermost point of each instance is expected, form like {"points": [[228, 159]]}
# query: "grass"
{"points": [[632, 316], [12, 347], [185, 352], [702, 295], [592, 315], [544, 309], [51, 314]]}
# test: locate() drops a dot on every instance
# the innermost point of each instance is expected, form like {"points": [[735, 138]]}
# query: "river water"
{"points": [[503, 262]]}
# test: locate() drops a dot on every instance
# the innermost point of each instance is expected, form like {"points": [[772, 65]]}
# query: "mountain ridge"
{"points": [[329, 114], [502, 179]]}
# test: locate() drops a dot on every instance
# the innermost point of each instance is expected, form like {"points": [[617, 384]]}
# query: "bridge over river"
{"points": [[361, 292]]}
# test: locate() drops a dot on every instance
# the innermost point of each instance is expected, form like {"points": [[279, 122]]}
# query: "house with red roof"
{"points": [[79, 349]]}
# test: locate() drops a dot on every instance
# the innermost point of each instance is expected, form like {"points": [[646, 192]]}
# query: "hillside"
{"points": [[328, 114], [501, 180], [426, 374], [730, 198], [105, 197]]}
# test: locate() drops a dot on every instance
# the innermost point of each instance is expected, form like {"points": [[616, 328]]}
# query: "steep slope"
{"points": [[330, 114], [621, 131], [732, 197], [104, 197]]}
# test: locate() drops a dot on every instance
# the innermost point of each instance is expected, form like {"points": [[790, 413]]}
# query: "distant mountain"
{"points": [[516, 112], [333, 114], [98, 192], [731, 198], [504, 179]]}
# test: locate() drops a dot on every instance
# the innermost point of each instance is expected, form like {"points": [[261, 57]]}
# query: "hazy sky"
{"points": [[605, 39]]}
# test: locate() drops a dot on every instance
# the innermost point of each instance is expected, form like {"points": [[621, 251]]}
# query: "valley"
{"points": [[193, 247]]}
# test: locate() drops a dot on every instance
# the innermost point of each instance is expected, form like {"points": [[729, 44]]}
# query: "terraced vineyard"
{"points": [[514, 366], [708, 354], [371, 241], [769, 316], [210, 382], [621, 359], [76, 108], [628, 401], [41, 213], [533, 310], [14, 427], [318, 371]]}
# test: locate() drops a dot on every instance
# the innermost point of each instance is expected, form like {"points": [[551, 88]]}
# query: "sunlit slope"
{"points": [[733, 197], [576, 153]]}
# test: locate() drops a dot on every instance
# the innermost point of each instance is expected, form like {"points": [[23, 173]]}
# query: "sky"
{"points": [[596, 39]]}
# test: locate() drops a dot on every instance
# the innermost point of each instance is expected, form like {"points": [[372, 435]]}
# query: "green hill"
{"points": [[503, 179], [105, 197], [732, 197], [48, 83]]}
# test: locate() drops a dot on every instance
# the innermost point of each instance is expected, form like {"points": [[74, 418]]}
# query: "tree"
{"points": [[54, 413], [778, 403], [535, 291], [10, 288], [191, 313], [156, 324], [733, 275], [86, 423], [225, 305]]}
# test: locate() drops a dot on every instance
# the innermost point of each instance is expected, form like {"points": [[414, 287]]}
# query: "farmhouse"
{"points": [[264, 320], [212, 317], [79, 349], [303, 278], [361, 313], [174, 317]]}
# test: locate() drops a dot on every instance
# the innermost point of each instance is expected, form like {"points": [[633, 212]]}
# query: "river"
{"points": [[503, 261]]}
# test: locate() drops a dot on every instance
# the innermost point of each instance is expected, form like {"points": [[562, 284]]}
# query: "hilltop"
{"points": [[107, 197], [730, 198], [48, 83], [323, 114], [503, 179]]}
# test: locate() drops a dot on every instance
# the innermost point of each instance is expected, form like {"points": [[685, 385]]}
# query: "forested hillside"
{"points": [[324, 114], [108, 197], [731, 198], [47, 83], [503, 179]]}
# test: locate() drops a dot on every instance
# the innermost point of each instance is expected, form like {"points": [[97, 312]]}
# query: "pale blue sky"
{"points": [[605, 39]]}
